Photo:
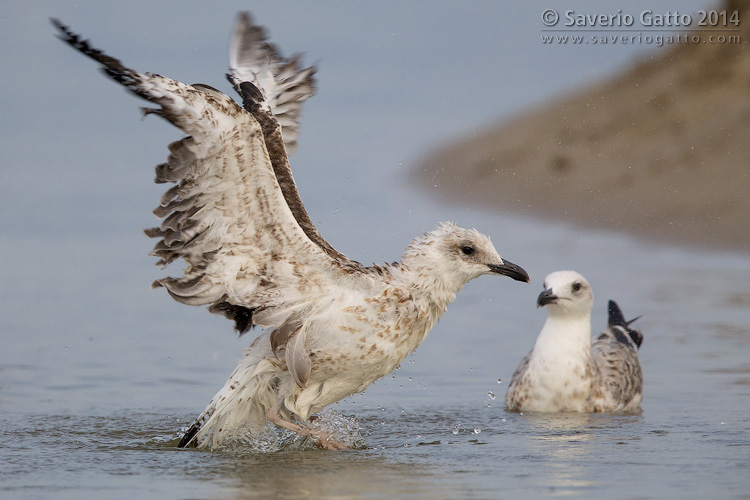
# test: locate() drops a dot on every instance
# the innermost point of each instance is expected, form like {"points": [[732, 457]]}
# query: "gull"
{"points": [[331, 326], [568, 370]]}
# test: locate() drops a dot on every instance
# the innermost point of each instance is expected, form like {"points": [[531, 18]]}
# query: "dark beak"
{"points": [[510, 270], [546, 297]]}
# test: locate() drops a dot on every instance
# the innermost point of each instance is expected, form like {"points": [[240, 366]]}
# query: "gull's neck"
{"points": [[561, 368], [437, 289], [565, 337], [430, 294]]}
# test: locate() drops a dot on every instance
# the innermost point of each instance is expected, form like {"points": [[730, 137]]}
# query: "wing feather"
{"points": [[234, 215], [298, 360], [280, 163], [615, 353], [283, 84], [513, 398]]}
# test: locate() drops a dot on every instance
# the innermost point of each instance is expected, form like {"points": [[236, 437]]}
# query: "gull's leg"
{"points": [[326, 441]]}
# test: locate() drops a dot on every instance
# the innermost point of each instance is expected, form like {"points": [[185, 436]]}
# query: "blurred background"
{"points": [[624, 161]]}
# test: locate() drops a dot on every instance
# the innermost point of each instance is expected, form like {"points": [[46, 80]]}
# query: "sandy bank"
{"points": [[661, 151]]}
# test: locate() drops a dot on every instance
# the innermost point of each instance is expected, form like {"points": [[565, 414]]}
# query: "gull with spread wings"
{"points": [[331, 325]]}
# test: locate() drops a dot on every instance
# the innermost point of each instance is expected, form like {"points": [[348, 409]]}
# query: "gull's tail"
{"points": [[240, 406], [617, 321]]}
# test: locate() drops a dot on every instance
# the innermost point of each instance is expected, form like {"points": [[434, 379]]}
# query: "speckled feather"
{"points": [[252, 253], [568, 370], [284, 84]]}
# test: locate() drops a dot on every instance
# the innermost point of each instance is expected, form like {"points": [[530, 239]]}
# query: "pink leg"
{"points": [[326, 441]]}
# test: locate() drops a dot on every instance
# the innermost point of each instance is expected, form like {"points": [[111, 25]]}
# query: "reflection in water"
{"points": [[318, 474], [567, 441]]}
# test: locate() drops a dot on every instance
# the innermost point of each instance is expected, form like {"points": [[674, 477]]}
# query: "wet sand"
{"points": [[661, 151]]}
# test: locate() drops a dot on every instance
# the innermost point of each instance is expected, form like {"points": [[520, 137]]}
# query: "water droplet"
{"points": [[491, 395], [477, 430], [499, 381]]}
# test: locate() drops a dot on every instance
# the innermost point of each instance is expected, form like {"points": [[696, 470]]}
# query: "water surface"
{"points": [[93, 402], [98, 373]]}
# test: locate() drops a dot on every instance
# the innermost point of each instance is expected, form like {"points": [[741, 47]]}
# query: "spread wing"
{"points": [[283, 85], [234, 214], [615, 353]]}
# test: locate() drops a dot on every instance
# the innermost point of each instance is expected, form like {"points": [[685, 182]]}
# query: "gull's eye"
{"points": [[576, 286], [467, 250]]}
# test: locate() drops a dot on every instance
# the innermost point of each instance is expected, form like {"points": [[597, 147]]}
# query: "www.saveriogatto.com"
{"points": [[649, 27]]}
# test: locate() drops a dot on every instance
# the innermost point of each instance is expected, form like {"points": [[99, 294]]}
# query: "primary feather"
{"points": [[252, 253]]}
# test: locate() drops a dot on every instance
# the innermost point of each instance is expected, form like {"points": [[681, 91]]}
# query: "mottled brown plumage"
{"points": [[252, 253], [568, 370]]}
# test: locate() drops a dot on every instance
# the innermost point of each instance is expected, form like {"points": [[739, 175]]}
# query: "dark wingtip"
{"points": [[62, 28], [616, 318], [187, 440]]}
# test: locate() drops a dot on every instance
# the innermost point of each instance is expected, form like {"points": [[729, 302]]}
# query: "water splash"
{"points": [[246, 440], [344, 429]]}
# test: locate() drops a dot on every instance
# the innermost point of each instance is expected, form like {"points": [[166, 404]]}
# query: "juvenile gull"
{"points": [[332, 326], [569, 371]]}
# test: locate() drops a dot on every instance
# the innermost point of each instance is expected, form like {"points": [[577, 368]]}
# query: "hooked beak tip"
{"points": [[546, 297], [510, 270]]}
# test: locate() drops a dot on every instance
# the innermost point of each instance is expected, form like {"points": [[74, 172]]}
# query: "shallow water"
{"points": [[94, 408], [427, 452], [98, 373]]}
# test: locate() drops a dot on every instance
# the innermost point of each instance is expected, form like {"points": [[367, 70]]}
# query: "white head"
{"points": [[453, 256], [566, 293]]}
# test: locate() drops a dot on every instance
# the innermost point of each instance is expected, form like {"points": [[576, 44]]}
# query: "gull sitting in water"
{"points": [[566, 371], [332, 326]]}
